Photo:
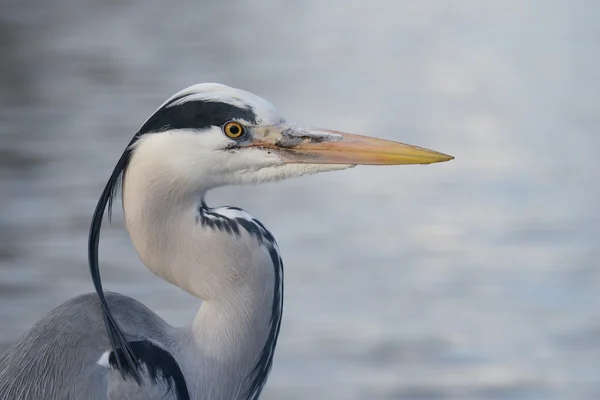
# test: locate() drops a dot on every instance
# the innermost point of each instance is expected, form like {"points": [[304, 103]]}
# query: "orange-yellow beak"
{"points": [[297, 145]]}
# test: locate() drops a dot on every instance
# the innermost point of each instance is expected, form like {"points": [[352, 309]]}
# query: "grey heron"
{"points": [[109, 346]]}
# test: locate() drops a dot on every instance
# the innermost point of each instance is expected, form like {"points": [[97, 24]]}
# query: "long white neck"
{"points": [[222, 256]]}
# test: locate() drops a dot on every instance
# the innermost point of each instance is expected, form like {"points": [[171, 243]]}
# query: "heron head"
{"points": [[211, 135]]}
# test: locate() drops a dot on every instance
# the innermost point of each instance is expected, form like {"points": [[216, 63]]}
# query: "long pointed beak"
{"points": [[297, 145]]}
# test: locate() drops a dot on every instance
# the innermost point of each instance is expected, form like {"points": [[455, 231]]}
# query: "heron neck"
{"points": [[214, 257], [223, 256]]}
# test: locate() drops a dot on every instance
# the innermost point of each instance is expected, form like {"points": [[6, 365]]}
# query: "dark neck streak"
{"points": [[209, 217]]}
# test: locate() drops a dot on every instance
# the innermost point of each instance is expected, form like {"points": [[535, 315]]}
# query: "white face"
{"points": [[210, 135], [207, 155]]}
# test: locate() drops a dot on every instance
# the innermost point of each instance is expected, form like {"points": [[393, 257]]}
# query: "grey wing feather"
{"points": [[58, 357]]}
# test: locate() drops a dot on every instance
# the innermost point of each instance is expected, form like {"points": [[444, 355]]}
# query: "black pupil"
{"points": [[234, 129]]}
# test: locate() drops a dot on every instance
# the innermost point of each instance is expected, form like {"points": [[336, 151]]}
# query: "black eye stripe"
{"points": [[196, 115]]}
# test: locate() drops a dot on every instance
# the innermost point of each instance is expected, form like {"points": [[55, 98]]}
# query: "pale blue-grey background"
{"points": [[474, 279]]}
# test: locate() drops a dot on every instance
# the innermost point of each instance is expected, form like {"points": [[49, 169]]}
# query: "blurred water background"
{"points": [[474, 279]]}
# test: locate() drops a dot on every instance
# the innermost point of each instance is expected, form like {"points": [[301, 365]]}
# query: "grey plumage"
{"points": [[57, 358]]}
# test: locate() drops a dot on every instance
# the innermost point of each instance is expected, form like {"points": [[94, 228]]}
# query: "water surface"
{"points": [[475, 279]]}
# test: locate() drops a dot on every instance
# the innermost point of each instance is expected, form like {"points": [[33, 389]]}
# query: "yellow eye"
{"points": [[234, 130]]}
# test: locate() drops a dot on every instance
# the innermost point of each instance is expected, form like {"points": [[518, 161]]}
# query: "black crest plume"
{"points": [[157, 122], [115, 335], [128, 356]]}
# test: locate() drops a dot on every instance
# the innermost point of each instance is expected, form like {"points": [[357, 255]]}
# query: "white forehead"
{"points": [[264, 110]]}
